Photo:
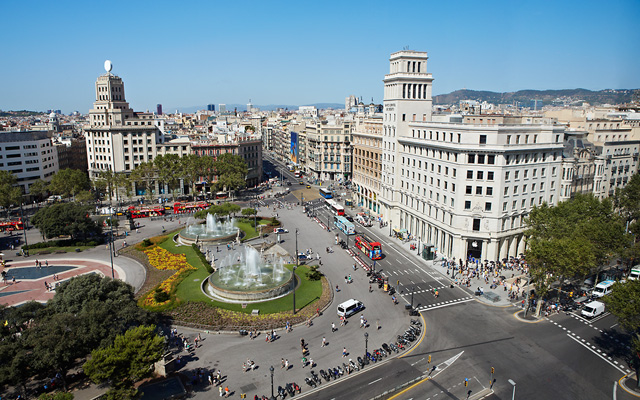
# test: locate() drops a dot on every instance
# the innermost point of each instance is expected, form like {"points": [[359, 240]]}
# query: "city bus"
{"points": [[326, 193], [372, 249], [344, 225], [335, 208], [143, 212], [11, 225], [183, 208]]}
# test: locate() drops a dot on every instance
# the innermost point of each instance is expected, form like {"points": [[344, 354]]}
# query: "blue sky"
{"points": [[185, 53]]}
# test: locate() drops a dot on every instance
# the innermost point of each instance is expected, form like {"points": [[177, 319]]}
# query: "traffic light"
{"points": [[466, 381], [429, 360], [398, 282], [243, 395], [493, 370]]}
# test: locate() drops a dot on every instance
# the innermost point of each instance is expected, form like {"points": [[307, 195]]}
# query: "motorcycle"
{"points": [[310, 382], [281, 392], [360, 362], [290, 390]]}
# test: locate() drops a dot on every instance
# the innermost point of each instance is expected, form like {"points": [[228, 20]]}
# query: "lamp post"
{"points": [[24, 228], [418, 246], [294, 274], [513, 396], [112, 245], [366, 344], [271, 370]]}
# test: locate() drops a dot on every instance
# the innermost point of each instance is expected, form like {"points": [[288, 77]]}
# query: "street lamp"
{"points": [[271, 370], [513, 396], [366, 343], [294, 274], [24, 229]]}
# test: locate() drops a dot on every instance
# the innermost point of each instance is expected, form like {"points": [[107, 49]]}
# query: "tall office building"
{"points": [[211, 107], [118, 139], [159, 109], [462, 188]]}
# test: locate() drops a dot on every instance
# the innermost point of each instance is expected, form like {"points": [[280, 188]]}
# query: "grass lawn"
{"points": [[249, 231], [189, 289], [306, 293]]}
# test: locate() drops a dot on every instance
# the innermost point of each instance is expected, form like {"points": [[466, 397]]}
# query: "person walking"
{"points": [[221, 390], [282, 363], [344, 352], [324, 341], [333, 327]]}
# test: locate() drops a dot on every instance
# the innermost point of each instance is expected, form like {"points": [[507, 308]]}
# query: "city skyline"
{"points": [[293, 53]]}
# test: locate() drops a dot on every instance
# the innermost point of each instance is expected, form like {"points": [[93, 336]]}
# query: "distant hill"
{"points": [[548, 97], [22, 113]]}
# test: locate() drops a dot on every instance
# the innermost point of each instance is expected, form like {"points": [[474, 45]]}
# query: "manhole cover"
{"points": [[248, 388]]}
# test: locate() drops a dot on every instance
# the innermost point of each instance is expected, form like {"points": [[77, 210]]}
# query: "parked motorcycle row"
{"points": [[375, 355]]}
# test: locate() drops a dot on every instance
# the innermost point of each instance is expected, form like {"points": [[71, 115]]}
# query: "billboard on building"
{"points": [[294, 147]]}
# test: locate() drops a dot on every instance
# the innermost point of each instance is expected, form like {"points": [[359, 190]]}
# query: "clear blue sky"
{"points": [[184, 53]]}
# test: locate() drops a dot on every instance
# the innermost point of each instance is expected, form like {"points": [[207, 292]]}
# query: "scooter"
{"points": [[281, 392], [290, 389], [310, 382]]}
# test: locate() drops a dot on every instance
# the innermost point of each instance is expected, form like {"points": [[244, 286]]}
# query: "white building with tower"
{"points": [[118, 139], [461, 189]]}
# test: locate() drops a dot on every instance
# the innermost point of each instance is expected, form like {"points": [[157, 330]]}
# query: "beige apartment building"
{"points": [[328, 149], [367, 162]]}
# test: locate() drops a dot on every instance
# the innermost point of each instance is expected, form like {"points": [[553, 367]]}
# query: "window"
{"points": [[489, 191], [526, 173], [504, 206], [469, 174], [404, 117], [506, 176], [483, 139], [517, 174], [506, 190], [487, 206], [478, 189], [467, 205], [476, 224], [515, 189], [480, 175], [471, 158], [490, 175], [524, 188], [469, 190], [491, 159]]}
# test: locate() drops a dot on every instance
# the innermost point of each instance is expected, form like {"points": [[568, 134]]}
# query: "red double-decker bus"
{"points": [[184, 208], [143, 212], [16, 225], [372, 249]]}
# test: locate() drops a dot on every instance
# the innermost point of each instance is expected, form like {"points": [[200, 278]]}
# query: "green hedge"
{"points": [[203, 258], [61, 243]]}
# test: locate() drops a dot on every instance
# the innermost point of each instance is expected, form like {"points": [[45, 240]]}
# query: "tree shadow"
{"points": [[614, 344]]}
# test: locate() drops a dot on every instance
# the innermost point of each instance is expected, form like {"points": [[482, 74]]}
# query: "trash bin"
{"points": [[407, 306]]}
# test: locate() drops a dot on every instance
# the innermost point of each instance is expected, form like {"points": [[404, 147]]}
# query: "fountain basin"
{"points": [[213, 231], [258, 292]]}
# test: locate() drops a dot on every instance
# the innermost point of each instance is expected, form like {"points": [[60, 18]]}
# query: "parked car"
{"points": [[280, 230], [308, 186]]}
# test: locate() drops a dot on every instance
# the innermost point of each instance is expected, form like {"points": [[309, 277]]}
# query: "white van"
{"points": [[349, 307], [603, 288], [593, 309], [635, 273]]}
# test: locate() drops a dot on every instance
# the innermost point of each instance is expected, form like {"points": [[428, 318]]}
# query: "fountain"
{"points": [[245, 276], [214, 230]]}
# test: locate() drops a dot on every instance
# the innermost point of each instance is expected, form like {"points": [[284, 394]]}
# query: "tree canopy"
{"points": [[65, 219], [231, 170], [10, 192], [571, 239], [68, 182], [624, 303], [127, 360]]}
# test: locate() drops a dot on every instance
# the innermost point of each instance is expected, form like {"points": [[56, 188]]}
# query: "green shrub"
{"points": [[146, 243], [161, 296], [314, 274], [203, 258]]}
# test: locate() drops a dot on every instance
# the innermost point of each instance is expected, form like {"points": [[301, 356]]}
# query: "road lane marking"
{"points": [[599, 355], [372, 382]]}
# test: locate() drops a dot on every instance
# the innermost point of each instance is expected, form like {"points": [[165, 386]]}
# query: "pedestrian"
{"points": [[369, 288], [244, 367], [46, 263], [324, 341], [282, 362], [220, 390], [226, 391], [286, 364], [304, 362], [344, 352], [333, 327], [210, 378]]}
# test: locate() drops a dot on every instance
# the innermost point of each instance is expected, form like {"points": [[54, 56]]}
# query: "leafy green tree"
{"points": [[128, 360], [85, 197], [168, 167], [65, 219], [231, 170], [16, 368], [145, 175], [624, 303], [190, 170], [68, 182], [627, 202], [249, 211], [10, 192], [571, 239], [113, 183], [39, 189]]}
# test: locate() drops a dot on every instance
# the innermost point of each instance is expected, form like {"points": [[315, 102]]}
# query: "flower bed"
{"points": [[161, 259]]}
